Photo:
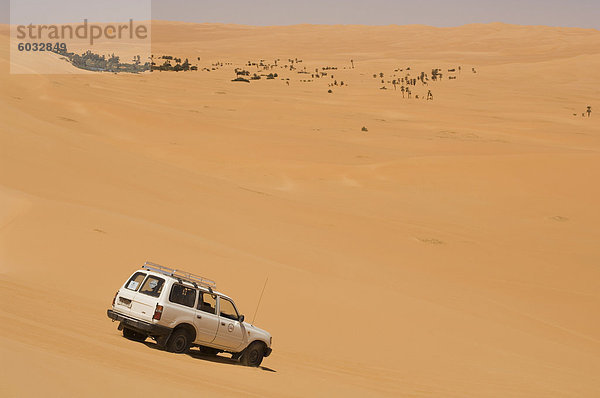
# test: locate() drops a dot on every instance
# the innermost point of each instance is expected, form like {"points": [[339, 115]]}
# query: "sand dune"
{"points": [[450, 251]]}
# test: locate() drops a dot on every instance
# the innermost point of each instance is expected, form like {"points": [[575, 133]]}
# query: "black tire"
{"points": [[131, 334], [179, 342], [253, 355]]}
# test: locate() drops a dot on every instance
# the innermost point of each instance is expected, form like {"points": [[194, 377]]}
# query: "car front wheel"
{"points": [[253, 355]]}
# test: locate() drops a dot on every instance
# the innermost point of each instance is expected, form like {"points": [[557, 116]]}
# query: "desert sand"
{"points": [[452, 250]]}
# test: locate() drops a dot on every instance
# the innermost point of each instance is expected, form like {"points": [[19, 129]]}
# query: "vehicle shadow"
{"points": [[219, 359], [196, 354]]}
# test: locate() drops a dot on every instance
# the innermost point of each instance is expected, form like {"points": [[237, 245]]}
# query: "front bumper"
{"points": [[268, 351], [139, 326]]}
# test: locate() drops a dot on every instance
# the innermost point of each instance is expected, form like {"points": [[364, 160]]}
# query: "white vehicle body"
{"points": [[156, 301]]}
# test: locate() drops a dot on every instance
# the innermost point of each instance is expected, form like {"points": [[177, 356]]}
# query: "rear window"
{"points": [[153, 286], [135, 281], [183, 295]]}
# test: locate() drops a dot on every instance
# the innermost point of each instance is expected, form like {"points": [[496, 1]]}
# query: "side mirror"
{"points": [[241, 318]]}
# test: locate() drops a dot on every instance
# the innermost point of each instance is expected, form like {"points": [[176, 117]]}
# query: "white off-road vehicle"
{"points": [[180, 310]]}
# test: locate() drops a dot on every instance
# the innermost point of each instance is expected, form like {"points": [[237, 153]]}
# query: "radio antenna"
{"points": [[259, 300]]}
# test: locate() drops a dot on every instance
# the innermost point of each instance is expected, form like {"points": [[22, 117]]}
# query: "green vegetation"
{"points": [[178, 67], [100, 63]]}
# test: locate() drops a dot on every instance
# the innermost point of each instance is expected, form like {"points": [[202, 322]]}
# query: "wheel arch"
{"points": [[189, 329], [258, 341]]}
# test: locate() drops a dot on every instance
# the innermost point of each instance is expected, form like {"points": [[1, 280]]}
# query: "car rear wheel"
{"points": [[253, 355], [133, 335], [179, 342]]}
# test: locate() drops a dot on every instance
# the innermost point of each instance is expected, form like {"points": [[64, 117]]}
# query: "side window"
{"points": [[227, 309], [135, 281], [153, 286], [207, 303], [183, 295]]}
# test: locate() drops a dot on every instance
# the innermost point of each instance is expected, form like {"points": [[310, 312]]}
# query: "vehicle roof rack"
{"points": [[181, 275]]}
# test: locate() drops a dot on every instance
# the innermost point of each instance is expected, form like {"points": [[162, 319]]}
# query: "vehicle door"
{"points": [[206, 320], [145, 300], [127, 293], [230, 333]]}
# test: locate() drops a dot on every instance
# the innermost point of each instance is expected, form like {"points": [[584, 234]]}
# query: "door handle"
{"points": [[222, 323], [199, 316]]}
